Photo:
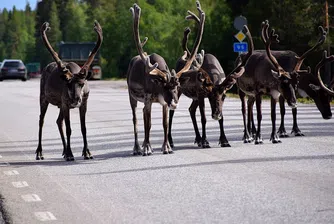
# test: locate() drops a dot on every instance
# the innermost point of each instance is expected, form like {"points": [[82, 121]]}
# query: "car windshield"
{"points": [[13, 64]]}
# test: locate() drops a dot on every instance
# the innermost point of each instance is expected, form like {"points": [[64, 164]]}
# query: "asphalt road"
{"points": [[291, 182]]}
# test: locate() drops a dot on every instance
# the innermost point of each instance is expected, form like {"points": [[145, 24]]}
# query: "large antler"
{"points": [[46, 27], [151, 69], [98, 30], [267, 40], [320, 41], [197, 42], [325, 59]]}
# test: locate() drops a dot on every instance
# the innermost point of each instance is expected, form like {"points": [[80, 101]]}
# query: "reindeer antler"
{"points": [[325, 59], [197, 43], [98, 30], [267, 40], [320, 41], [151, 69]]}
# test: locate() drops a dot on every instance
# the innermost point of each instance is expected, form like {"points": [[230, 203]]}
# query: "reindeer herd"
{"points": [[197, 75]]}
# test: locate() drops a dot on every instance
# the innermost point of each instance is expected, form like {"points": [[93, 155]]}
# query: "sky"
{"points": [[19, 4]]}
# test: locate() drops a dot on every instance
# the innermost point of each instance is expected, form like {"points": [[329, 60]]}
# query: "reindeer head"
{"points": [[159, 72], [74, 77], [323, 93]]}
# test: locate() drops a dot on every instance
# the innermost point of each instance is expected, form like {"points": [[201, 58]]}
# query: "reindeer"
{"points": [[149, 84], [308, 86], [209, 82], [65, 86], [258, 81]]}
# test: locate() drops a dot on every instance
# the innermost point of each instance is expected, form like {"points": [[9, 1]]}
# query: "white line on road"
{"points": [[31, 197], [0, 156], [45, 216], [11, 172], [20, 184]]}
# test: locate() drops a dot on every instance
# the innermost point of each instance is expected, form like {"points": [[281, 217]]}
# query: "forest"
{"points": [[163, 22]]}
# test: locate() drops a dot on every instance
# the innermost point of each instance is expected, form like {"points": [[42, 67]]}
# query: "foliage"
{"points": [[163, 22]]}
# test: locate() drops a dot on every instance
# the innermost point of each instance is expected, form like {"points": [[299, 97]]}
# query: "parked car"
{"points": [[13, 69]]}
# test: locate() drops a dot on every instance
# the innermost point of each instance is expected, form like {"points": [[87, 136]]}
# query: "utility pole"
{"points": [[328, 74]]}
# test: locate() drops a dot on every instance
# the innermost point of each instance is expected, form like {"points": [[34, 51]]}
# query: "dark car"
{"points": [[13, 69]]}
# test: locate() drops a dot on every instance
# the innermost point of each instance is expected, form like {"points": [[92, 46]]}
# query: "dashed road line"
{"points": [[11, 172], [4, 164], [45, 216], [20, 184], [31, 197], [0, 156]]}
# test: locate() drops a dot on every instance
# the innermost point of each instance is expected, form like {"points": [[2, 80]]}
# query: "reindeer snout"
{"points": [[217, 116], [173, 106]]}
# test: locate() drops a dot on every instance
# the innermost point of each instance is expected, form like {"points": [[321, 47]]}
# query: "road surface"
{"points": [[291, 182]]}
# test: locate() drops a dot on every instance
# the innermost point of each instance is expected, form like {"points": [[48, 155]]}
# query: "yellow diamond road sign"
{"points": [[240, 36]]}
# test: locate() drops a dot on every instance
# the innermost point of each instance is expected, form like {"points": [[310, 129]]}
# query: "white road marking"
{"points": [[20, 184], [11, 172], [0, 156], [4, 164], [30, 197], [45, 216]]}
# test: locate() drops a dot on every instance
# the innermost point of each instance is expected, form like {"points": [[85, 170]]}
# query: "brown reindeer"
{"points": [[308, 85], [209, 82], [258, 81], [149, 84], [65, 86]]}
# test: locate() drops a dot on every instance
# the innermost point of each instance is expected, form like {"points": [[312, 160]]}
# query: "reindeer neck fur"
{"points": [[54, 87]]}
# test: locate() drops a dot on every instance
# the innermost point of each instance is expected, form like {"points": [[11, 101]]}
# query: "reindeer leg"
{"points": [[82, 110], [281, 130], [204, 141], [258, 137], [136, 147], [59, 122], [242, 97], [192, 111], [43, 107], [166, 149], [295, 128], [68, 153], [171, 115], [251, 124], [147, 149], [274, 137], [222, 139]]}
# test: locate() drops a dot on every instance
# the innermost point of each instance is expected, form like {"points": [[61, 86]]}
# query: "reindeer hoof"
{"points": [[226, 144], [275, 141], [86, 158], [258, 142], [299, 134], [205, 144], [91, 157], [135, 153]]}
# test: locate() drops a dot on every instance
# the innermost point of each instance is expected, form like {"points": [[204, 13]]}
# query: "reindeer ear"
{"points": [[200, 77], [67, 74], [314, 87], [275, 74]]}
